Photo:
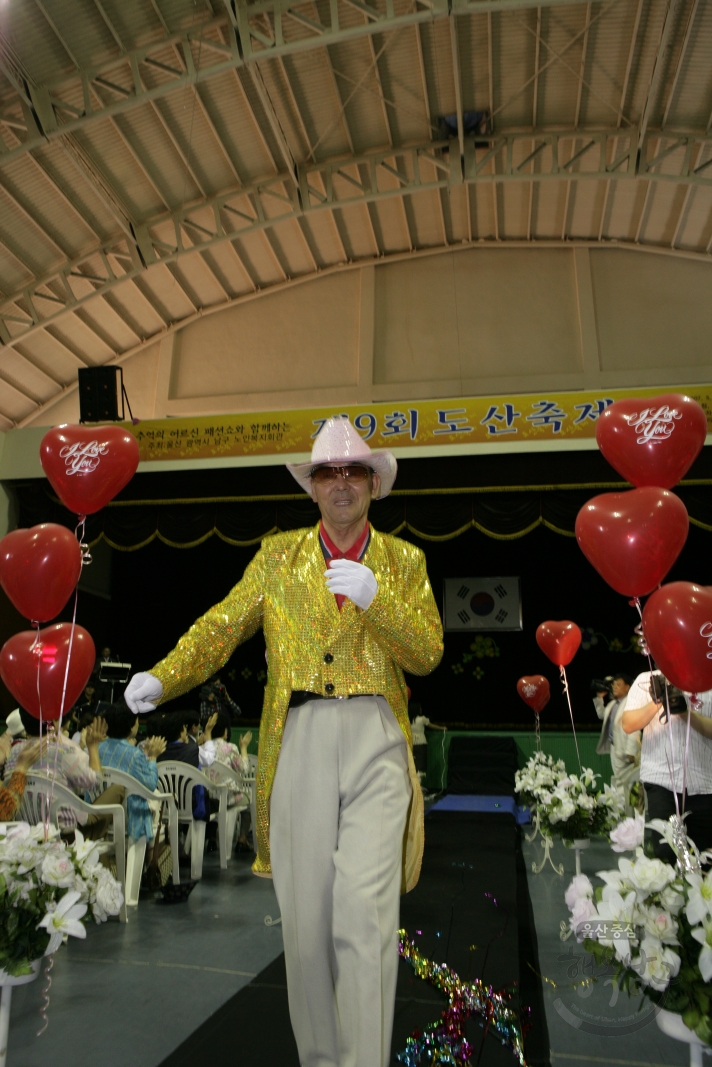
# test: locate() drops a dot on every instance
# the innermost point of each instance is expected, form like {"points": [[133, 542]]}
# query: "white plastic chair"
{"points": [[136, 848], [180, 779], [32, 811], [234, 778]]}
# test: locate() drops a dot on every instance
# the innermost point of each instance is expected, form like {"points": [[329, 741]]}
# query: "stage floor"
{"points": [[140, 995], [470, 907]]}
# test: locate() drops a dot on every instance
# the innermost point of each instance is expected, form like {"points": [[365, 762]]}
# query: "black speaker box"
{"points": [[100, 394]]}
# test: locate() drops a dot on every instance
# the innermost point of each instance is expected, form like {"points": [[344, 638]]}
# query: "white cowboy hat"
{"points": [[339, 442]]}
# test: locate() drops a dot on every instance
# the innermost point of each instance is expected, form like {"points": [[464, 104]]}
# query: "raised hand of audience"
{"points": [[245, 742], [97, 732], [207, 734], [30, 754], [5, 746], [153, 747]]}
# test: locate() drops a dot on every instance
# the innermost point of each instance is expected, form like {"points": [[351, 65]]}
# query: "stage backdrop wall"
{"points": [[527, 505]]}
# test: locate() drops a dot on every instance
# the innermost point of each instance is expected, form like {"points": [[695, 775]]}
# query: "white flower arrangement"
{"points": [[47, 888], [653, 924], [569, 806], [538, 776]]}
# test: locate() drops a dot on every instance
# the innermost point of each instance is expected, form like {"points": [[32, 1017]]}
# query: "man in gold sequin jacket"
{"points": [[345, 610]]}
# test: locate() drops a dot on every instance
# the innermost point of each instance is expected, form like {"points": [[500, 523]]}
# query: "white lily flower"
{"points": [[699, 898], [703, 934], [64, 921]]}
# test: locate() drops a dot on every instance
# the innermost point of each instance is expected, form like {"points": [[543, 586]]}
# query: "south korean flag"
{"points": [[482, 604]]}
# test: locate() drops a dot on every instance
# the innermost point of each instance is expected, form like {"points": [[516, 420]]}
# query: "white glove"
{"points": [[143, 692], [353, 580]]}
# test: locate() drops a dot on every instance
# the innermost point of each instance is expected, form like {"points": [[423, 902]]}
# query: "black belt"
{"points": [[303, 696]]}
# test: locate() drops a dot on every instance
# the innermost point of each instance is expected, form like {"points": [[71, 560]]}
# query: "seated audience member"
{"points": [[178, 747], [15, 728], [76, 769], [181, 748], [237, 759], [82, 722], [225, 751], [120, 753], [15, 735], [200, 737], [153, 725], [12, 793], [87, 701]]}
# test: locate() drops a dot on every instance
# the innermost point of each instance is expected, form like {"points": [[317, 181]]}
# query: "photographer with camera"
{"points": [[609, 700], [647, 710], [215, 697]]}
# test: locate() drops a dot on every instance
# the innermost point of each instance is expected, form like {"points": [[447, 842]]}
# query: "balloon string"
{"points": [[684, 764], [79, 533], [538, 731], [49, 963], [37, 649], [565, 682]]}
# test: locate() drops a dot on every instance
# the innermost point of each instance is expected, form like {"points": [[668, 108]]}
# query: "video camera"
{"points": [[212, 687], [601, 685], [662, 692]]}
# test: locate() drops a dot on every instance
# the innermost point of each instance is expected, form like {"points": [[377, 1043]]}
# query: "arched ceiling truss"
{"points": [[158, 158]]}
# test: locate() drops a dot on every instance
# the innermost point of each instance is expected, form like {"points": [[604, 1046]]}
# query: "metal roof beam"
{"points": [[660, 64], [56, 105], [499, 160]]}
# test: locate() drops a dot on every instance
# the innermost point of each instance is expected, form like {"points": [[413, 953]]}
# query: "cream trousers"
{"points": [[338, 814]]}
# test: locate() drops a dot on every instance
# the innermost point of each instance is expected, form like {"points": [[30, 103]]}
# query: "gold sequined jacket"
{"points": [[313, 646]]}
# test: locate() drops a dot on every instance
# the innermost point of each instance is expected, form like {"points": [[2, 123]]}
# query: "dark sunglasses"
{"points": [[353, 472]]}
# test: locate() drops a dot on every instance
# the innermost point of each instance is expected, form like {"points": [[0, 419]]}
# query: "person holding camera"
{"points": [[663, 754], [214, 697], [624, 749]]}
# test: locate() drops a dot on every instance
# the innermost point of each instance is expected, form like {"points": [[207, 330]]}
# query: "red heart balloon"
{"points": [[559, 641], [534, 691], [654, 441], [39, 569], [19, 661], [677, 624], [88, 466], [633, 538]]}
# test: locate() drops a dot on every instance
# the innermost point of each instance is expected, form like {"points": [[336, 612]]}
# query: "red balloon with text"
{"points": [[633, 538], [39, 569], [88, 466], [677, 624], [559, 641], [21, 660], [653, 441], [534, 691]]}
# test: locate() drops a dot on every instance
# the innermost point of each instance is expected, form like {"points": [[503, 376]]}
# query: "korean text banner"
{"points": [[535, 417]]}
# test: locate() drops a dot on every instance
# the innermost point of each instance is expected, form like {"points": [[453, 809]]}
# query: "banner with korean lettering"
{"points": [[534, 418]]}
